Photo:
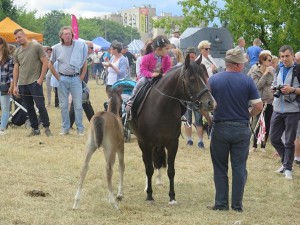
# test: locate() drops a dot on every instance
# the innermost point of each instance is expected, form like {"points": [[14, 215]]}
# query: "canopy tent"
{"points": [[102, 42], [135, 46], [7, 28]]}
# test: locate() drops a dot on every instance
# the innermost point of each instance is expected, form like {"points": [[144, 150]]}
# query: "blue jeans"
{"points": [[5, 108], [33, 93], [71, 85], [230, 138], [287, 122]]}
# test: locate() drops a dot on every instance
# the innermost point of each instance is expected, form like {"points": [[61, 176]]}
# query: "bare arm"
{"points": [[44, 61], [53, 71], [83, 71], [15, 79]]}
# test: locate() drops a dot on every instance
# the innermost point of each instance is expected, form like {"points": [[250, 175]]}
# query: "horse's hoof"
{"points": [[115, 205], [119, 197], [173, 202]]}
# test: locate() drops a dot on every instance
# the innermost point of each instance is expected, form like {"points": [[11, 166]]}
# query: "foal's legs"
{"points": [[172, 151], [91, 148], [110, 156], [121, 172]]}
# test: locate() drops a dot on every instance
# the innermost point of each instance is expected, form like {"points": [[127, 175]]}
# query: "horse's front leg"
{"points": [[147, 158], [121, 172], [172, 151], [110, 157], [91, 148]]}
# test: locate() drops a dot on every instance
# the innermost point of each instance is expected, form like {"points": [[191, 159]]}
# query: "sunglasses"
{"points": [[206, 49]]}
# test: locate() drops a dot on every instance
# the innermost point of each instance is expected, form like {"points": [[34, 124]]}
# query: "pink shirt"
{"points": [[148, 64]]}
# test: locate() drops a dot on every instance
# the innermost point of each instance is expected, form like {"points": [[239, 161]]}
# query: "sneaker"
{"points": [[80, 133], [280, 170], [201, 145], [2, 132], [34, 133], [295, 161], [288, 174], [189, 143], [48, 132], [64, 132]]}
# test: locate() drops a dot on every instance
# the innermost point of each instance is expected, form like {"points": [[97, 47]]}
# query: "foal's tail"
{"points": [[98, 123], [159, 158]]}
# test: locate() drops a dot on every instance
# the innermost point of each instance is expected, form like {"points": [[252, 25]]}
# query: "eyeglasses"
{"points": [[206, 49]]}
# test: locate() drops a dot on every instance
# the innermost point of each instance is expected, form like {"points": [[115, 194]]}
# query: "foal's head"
{"points": [[196, 77], [115, 100]]}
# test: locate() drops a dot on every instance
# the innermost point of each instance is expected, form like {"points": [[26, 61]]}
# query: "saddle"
{"points": [[141, 97]]}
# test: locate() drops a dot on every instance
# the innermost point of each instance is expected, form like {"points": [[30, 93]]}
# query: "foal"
{"points": [[106, 130]]}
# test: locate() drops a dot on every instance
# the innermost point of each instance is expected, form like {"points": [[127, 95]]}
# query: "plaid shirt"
{"points": [[6, 71]]}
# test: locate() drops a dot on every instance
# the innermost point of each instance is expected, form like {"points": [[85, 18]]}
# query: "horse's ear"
{"points": [[187, 61], [199, 60]]}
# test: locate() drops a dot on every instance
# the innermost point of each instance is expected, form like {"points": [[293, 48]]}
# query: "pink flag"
{"points": [[75, 27]]}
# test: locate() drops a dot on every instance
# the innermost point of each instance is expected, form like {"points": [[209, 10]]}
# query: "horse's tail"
{"points": [[98, 123], [159, 158]]}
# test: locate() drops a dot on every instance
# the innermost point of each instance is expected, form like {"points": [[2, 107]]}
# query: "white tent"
{"points": [[135, 46]]}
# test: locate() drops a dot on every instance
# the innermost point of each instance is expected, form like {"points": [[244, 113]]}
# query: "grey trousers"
{"points": [[288, 123], [230, 138]]}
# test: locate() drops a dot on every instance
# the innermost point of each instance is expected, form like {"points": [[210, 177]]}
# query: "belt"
{"points": [[69, 75], [233, 122]]}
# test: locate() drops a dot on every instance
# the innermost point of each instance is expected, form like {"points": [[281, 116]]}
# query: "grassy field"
{"points": [[52, 166]]}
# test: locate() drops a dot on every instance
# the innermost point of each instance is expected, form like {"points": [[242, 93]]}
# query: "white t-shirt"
{"points": [[112, 74]]}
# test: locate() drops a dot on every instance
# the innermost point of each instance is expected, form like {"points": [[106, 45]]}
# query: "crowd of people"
{"points": [[253, 77]]}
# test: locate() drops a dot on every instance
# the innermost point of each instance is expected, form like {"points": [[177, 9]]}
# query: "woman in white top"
{"points": [[117, 65], [207, 60]]}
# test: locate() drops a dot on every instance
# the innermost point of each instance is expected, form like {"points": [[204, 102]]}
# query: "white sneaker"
{"points": [[2, 132], [280, 170], [64, 132], [288, 174]]}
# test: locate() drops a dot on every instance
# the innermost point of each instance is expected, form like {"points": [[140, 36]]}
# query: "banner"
{"points": [[75, 26]]}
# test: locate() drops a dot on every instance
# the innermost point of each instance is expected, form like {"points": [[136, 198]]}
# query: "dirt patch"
{"points": [[36, 193]]}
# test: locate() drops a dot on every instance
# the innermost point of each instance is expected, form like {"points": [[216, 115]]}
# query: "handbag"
{"points": [[4, 88]]}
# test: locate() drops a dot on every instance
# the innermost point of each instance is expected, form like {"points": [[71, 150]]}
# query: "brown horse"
{"points": [[158, 125], [106, 130]]}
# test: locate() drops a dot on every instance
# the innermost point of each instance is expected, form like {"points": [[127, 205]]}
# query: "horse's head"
{"points": [[195, 78], [115, 100]]}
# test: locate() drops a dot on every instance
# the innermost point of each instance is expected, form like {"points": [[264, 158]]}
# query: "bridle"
{"points": [[196, 104]]}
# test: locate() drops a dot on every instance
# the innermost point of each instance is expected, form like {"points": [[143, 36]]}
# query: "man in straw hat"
{"points": [[232, 91]]}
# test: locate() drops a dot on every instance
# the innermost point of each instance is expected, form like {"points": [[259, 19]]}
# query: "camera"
{"points": [[277, 90]]}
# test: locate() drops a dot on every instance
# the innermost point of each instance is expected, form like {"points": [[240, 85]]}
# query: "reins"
{"points": [[185, 103]]}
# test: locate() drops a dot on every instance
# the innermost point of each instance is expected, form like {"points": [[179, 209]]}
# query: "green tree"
{"points": [[195, 13], [53, 21], [274, 22], [8, 9], [28, 20]]}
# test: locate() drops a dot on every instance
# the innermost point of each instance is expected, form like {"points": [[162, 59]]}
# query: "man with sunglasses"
{"points": [[285, 115]]}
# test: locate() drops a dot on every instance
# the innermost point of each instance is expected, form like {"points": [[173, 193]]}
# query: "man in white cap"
{"points": [[232, 91]]}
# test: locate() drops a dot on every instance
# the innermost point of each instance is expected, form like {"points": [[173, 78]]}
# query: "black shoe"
{"points": [[220, 208], [238, 209], [297, 162]]}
